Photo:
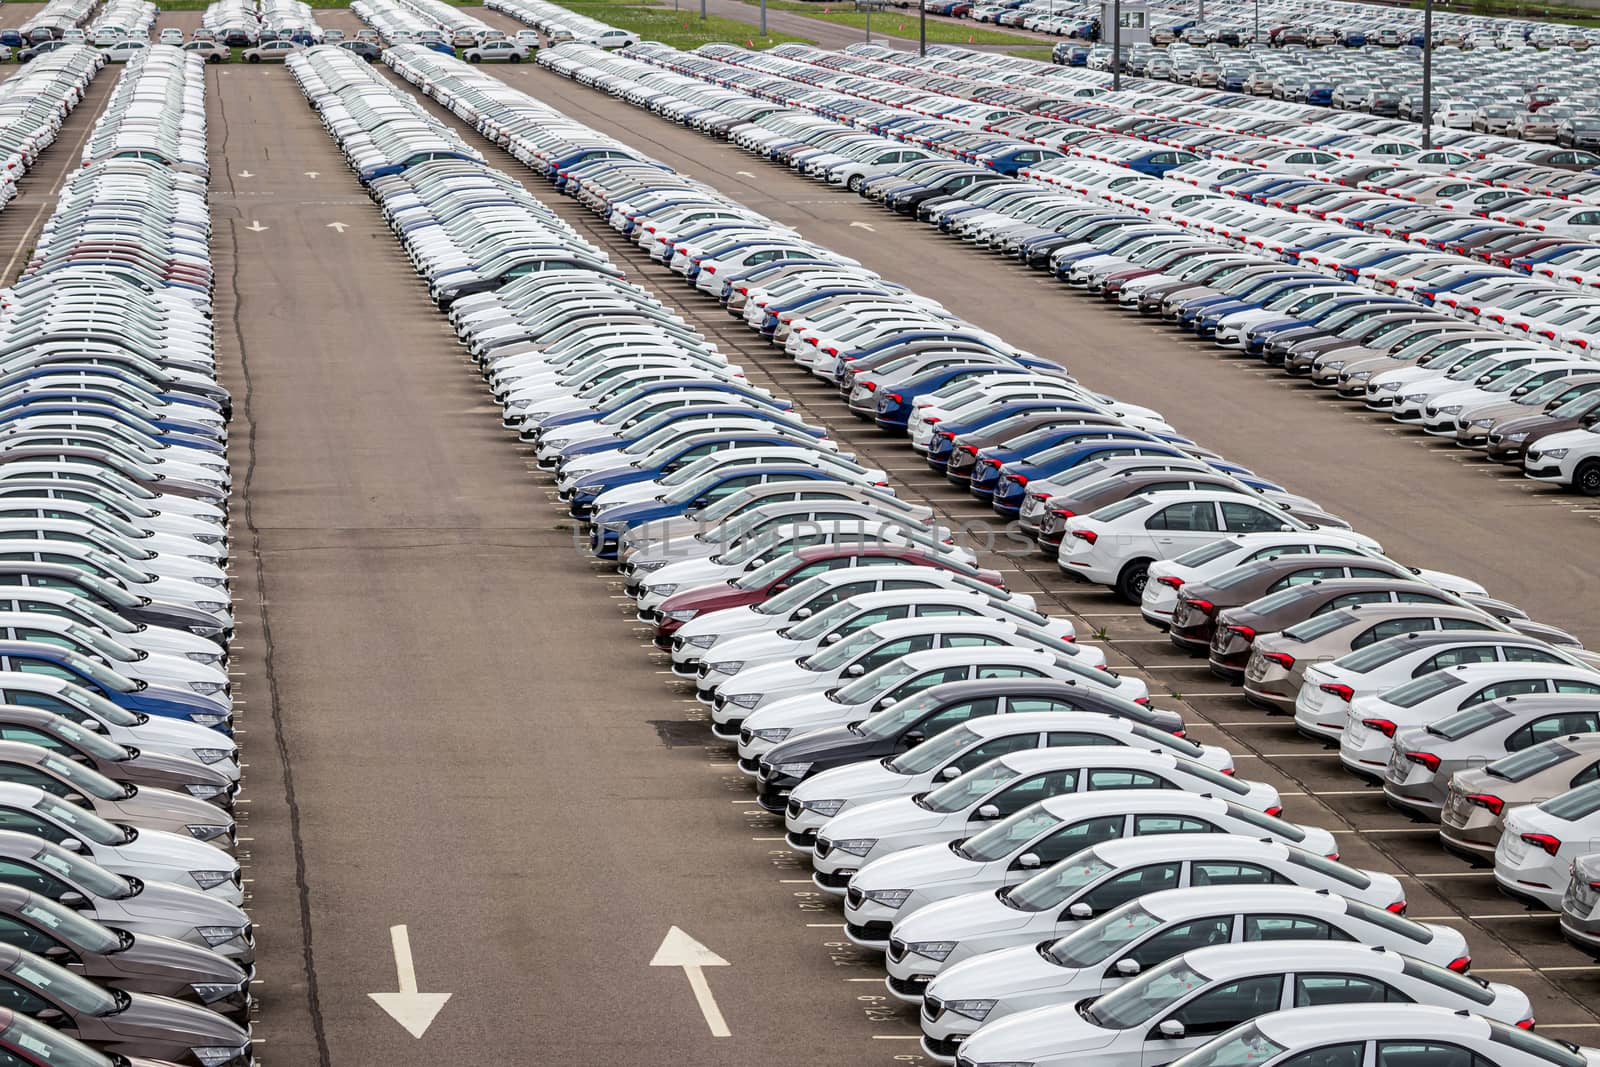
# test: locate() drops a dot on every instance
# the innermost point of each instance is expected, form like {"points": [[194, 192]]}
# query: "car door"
{"points": [[1161, 946], [1117, 890], [1017, 795], [1240, 517], [1177, 528], [1211, 1012], [1067, 841]]}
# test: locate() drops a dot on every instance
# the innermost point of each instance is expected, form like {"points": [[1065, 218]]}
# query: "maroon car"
{"points": [[1508, 441], [1236, 628], [795, 567]]}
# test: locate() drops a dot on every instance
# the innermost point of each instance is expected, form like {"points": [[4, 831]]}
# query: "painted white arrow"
{"points": [[340, 226], [412, 1010], [256, 227], [678, 949], [864, 226], [312, 173], [744, 174], [246, 174]]}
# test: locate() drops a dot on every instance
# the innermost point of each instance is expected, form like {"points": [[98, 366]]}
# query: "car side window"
{"points": [[1121, 778], [1290, 928], [956, 714], [1455, 657], [1577, 722], [1460, 624], [1198, 933], [1115, 892], [1563, 686], [987, 751], [1221, 872], [1350, 600], [1014, 799], [893, 650], [21, 874], [24, 823], [1516, 654], [1423, 1054], [1590, 773], [969, 641], [18, 933], [1418, 598], [1170, 824], [1008, 672], [1350, 1054], [21, 1000], [1019, 705], [8, 1059], [1195, 515], [1077, 837], [1515, 687], [29, 735], [921, 682], [1228, 1005], [1315, 990], [1276, 551], [1247, 518], [1390, 628], [1078, 738], [1310, 574]]}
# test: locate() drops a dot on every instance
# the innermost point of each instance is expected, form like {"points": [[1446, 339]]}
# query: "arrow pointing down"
{"points": [[340, 226], [312, 173], [256, 227], [412, 1010], [246, 174], [678, 949], [864, 226]]}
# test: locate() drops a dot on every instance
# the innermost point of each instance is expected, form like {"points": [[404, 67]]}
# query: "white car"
{"points": [[1103, 954], [66, 604], [1570, 458], [759, 728], [1365, 747], [157, 668], [1053, 902], [1115, 545], [1350, 1035], [1322, 707], [1540, 842], [1193, 998], [832, 626], [150, 855], [998, 790]]}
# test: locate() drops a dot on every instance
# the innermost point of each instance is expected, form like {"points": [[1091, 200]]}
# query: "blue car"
{"points": [[137, 696], [383, 170], [992, 462], [681, 417], [994, 419], [1012, 485], [581, 495]]}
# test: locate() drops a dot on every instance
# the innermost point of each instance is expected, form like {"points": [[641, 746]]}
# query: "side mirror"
{"points": [[73, 899], [50, 1016], [92, 724], [831, 638], [1028, 861], [71, 844], [988, 811], [855, 670], [950, 773], [57, 952], [1127, 967], [1171, 1029], [912, 738], [1285, 528], [1081, 910]]}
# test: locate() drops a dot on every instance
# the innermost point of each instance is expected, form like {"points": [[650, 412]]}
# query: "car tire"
{"points": [[255, 59], [515, 58], [854, 184], [213, 59], [1130, 583], [474, 59], [1586, 479]]}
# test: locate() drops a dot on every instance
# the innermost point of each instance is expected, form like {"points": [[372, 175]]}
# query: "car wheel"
{"points": [[1130, 583], [474, 59], [255, 59], [515, 58], [1586, 479], [854, 184], [213, 59]]}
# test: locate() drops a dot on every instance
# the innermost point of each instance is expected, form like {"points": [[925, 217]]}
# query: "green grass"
{"points": [[1577, 16], [681, 28], [895, 23], [1041, 54]]}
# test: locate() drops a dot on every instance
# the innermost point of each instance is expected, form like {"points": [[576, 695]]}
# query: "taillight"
{"points": [[1203, 605], [868, 386], [896, 397], [1246, 632], [1086, 535], [1487, 800], [1142, 701], [1397, 908], [1427, 759], [1384, 725], [1525, 1024], [948, 436], [1551, 845], [1282, 659], [1460, 964], [1275, 811], [1065, 513], [1343, 692], [971, 450]]}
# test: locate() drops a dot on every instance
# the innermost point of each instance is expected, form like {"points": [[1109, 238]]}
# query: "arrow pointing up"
{"points": [[340, 226], [246, 174], [678, 949], [412, 1010], [256, 227], [864, 226], [312, 173]]}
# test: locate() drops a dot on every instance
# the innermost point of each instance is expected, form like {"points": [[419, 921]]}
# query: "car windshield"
{"points": [[1318, 625], [1096, 941], [892, 720], [1363, 660], [1146, 995], [71, 926], [766, 574], [1574, 804], [1283, 831], [89, 780], [1530, 761], [88, 825], [874, 684], [103, 645], [98, 706], [931, 753], [1415, 692], [792, 597], [1574, 409], [46, 1046], [1052, 886], [82, 872], [1329, 868], [1246, 1047], [836, 656], [109, 621], [117, 567], [967, 790], [60, 984], [822, 622], [1004, 838], [102, 674]]}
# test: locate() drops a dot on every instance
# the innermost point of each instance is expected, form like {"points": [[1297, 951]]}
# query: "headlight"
{"points": [[203, 657], [889, 898], [826, 808], [1555, 453], [979, 1010], [206, 631], [210, 879], [1333, 364], [206, 831], [204, 792], [208, 581], [702, 641], [682, 615], [728, 666], [211, 605], [211, 992], [213, 755], [793, 770], [208, 720], [215, 1055], [1416, 398], [218, 935], [665, 589], [1485, 423], [745, 700], [1517, 437], [650, 565], [208, 688], [1454, 409], [855, 846], [1388, 387], [934, 950], [1361, 376]]}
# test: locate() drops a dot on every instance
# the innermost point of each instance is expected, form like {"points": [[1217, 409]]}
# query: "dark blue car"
{"points": [[136, 696], [581, 496]]}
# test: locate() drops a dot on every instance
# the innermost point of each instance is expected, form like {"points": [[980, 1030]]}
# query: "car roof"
{"points": [[1220, 962], [1298, 1027], [1169, 904], [1123, 851]]}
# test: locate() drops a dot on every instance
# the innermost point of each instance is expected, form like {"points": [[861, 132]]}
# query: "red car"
{"points": [[785, 571]]}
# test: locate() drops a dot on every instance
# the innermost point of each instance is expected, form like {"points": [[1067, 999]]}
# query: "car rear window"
{"points": [[1119, 509], [1413, 693], [1285, 831], [1556, 1052], [1473, 989], [1330, 868], [1206, 553], [1374, 656], [1576, 803], [1318, 625], [1462, 723], [1530, 761], [1388, 920]]}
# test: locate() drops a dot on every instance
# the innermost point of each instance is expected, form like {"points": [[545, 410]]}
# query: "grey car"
{"points": [[1580, 906], [157, 908], [1474, 810], [1427, 757]]}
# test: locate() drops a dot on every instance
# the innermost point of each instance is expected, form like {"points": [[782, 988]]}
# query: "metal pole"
{"points": [[764, 16], [702, 8], [1255, 38], [1427, 74], [1116, 45], [922, 30], [869, 21]]}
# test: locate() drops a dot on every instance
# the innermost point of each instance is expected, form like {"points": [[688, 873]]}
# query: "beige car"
{"points": [[1277, 665], [271, 52], [1478, 800]]}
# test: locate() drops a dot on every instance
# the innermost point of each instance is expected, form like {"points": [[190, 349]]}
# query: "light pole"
{"points": [[1116, 46], [764, 16], [702, 8], [1427, 74], [870, 6], [1255, 37], [922, 30]]}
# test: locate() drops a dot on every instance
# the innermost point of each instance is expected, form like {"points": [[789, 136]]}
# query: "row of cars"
{"points": [[1420, 676], [123, 939], [560, 24], [1377, 261], [659, 442], [33, 105]]}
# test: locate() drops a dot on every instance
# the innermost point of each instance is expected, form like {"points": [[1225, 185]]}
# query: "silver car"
{"points": [[1580, 906]]}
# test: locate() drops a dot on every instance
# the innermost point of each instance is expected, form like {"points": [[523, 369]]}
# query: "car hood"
{"points": [[1043, 1033], [1568, 439], [164, 805], [1013, 971], [856, 782], [177, 906], [726, 624], [801, 711], [959, 918], [165, 849], [173, 1023], [151, 955], [782, 676], [916, 868], [882, 818], [711, 598]]}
